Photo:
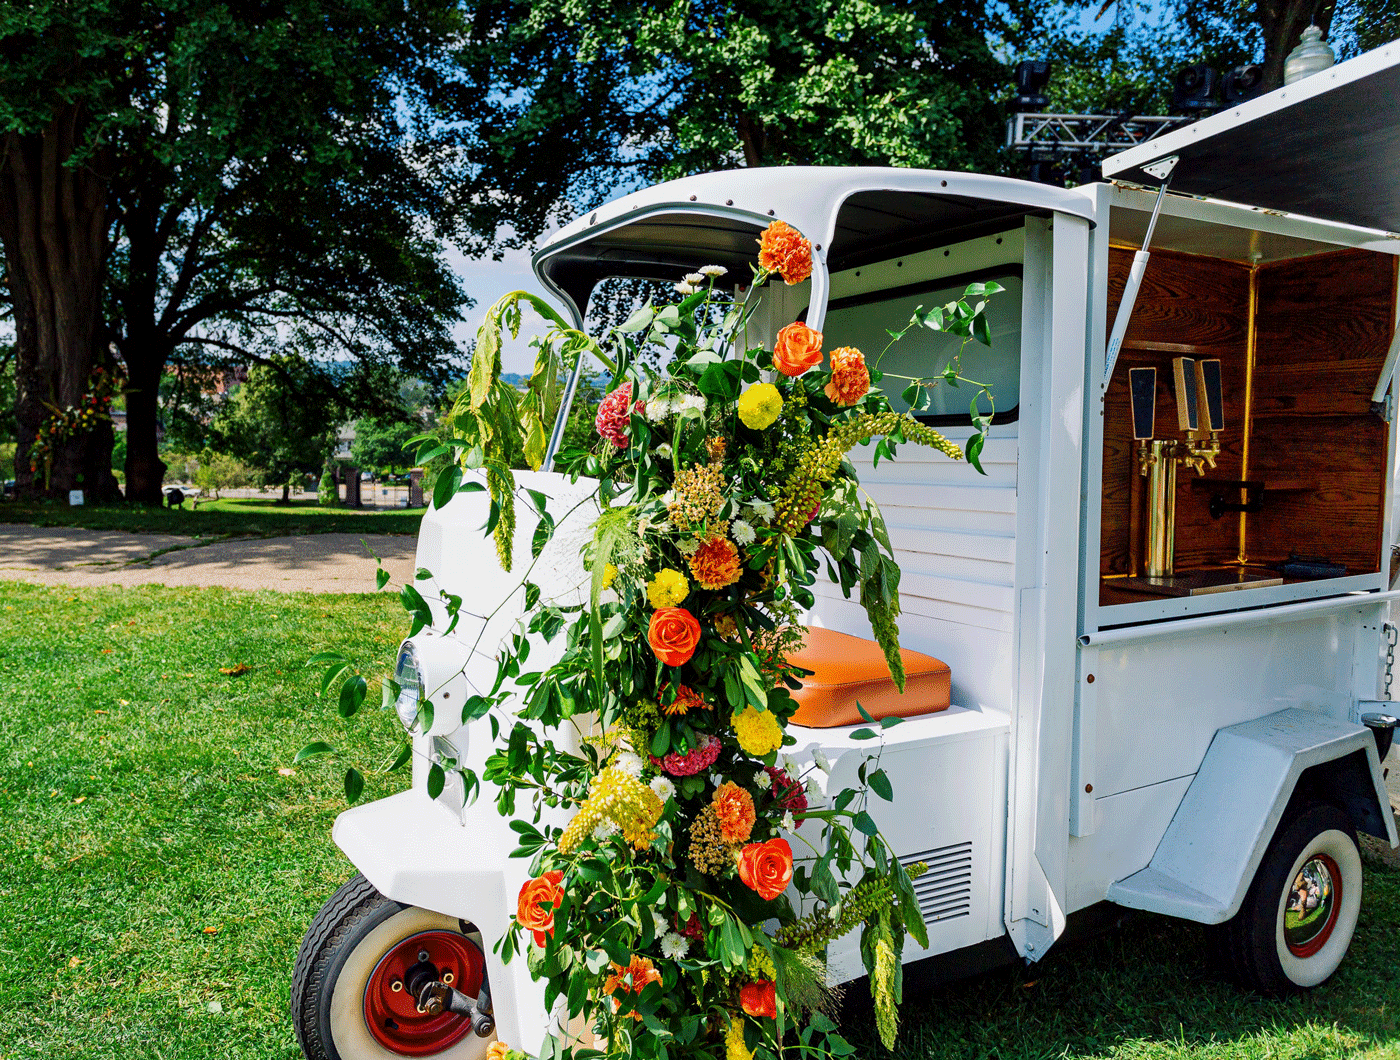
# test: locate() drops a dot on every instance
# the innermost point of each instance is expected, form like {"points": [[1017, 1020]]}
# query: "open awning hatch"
{"points": [[1327, 146]]}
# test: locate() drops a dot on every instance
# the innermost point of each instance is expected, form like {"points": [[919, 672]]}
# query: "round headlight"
{"points": [[409, 678]]}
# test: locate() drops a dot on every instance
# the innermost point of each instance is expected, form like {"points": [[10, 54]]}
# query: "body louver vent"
{"points": [[945, 890]]}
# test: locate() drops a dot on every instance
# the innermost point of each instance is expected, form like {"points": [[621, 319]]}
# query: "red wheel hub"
{"points": [[391, 1007]]}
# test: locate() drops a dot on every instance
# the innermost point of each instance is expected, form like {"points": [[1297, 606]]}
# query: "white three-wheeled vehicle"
{"points": [[1164, 607]]}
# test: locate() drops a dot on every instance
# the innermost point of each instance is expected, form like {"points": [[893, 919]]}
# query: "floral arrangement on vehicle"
{"points": [[723, 488]]}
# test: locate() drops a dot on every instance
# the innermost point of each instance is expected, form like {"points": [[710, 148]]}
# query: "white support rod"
{"points": [[1234, 619], [1130, 291], [1387, 370]]}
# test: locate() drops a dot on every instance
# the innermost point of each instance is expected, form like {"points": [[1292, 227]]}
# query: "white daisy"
{"points": [[605, 830], [743, 532], [658, 407], [685, 288], [688, 547], [664, 450], [814, 790], [823, 763], [791, 768], [659, 923], [663, 787], [789, 822], [762, 780], [629, 763], [763, 510], [693, 401], [714, 270], [673, 946], [695, 277]]}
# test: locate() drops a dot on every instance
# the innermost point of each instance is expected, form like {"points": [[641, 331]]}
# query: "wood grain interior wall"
{"points": [[1324, 327], [1188, 306]]}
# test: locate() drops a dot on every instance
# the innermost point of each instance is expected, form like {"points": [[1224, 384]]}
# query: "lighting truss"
{"points": [[1097, 133]]}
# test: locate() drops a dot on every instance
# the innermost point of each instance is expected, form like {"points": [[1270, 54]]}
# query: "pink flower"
{"points": [[613, 413], [694, 761], [787, 793]]}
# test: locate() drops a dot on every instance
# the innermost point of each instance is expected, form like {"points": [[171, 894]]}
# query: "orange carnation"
{"points": [[734, 809], [686, 700], [766, 867], [796, 349], [850, 379], [760, 999], [673, 634], [784, 250], [538, 900], [716, 563]]}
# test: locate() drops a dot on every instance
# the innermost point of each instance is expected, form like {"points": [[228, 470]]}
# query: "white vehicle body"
{"points": [[1138, 752]]}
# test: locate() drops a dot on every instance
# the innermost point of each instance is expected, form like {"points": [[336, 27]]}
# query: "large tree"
{"points": [[578, 100], [197, 179]]}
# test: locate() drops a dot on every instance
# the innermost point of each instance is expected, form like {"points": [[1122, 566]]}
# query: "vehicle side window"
{"points": [[864, 321]]}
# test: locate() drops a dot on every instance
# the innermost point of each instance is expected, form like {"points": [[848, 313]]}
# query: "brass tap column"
{"points": [[1160, 470]]}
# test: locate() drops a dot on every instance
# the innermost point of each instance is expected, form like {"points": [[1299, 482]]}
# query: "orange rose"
{"points": [[850, 378], [783, 250], [797, 348], [760, 999], [635, 977], [673, 634], [766, 867], [538, 900], [734, 809]]}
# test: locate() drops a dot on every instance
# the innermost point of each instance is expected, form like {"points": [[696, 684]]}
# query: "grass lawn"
{"points": [[141, 804], [257, 516]]}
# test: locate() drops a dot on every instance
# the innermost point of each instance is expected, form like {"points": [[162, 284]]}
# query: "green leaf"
{"points": [[401, 759], [322, 657], [416, 606], [354, 784], [865, 823], [863, 734], [472, 485], [446, 485], [316, 747], [352, 695], [973, 451], [638, 321], [880, 784], [381, 579], [436, 779]]}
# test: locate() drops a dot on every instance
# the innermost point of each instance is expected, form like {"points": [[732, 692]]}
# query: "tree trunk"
{"points": [[53, 225], [287, 492], [145, 470], [1283, 22]]}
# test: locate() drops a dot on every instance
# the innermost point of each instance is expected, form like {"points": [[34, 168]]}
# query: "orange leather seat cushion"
{"points": [[847, 670]]}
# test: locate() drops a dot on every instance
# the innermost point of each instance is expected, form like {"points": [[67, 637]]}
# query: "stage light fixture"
{"points": [[1194, 89], [1032, 76], [1244, 82]]}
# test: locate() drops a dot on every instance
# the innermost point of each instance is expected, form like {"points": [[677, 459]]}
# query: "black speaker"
{"points": [[1032, 76], [1244, 82], [1194, 88]]}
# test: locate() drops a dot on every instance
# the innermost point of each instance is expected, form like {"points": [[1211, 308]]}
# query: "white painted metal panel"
{"points": [[1218, 836], [1159, 702], [1127, 828]]}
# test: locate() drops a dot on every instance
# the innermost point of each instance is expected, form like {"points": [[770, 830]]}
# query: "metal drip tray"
{"points": [[1198, 583]]}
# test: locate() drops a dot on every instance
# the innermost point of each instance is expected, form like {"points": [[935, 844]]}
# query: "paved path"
{"points": [[334, 563]]}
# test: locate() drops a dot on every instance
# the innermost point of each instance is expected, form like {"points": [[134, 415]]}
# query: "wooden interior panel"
{"points": [[1324, 327], [1193, 307]]}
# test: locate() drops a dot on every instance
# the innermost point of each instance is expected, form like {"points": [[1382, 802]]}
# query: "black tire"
{"points": [[1275, 944], [349, 935]]}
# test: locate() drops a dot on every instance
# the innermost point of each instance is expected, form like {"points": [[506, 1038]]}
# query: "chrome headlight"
{"points": [[409, 677]]}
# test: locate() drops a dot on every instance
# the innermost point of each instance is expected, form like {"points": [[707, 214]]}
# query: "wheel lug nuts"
{"points": [[447, 978], [396, 986], [423, 956]]}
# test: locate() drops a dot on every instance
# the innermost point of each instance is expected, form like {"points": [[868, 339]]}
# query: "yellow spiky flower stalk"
{"points": [[618, 797]]}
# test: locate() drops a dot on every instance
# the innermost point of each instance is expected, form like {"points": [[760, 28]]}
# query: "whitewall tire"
{"points": [[348, 997], [1300, 914]]}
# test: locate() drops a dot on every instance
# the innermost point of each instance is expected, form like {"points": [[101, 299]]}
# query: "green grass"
{"points": [[127, 829], [257, 516]]}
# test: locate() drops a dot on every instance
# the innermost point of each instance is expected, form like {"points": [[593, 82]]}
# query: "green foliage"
{"points": [[213, 472], [384, 444], [282, 421], [327, 491]]}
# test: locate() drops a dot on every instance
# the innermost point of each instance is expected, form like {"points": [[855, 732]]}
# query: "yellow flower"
{"points": [[668, 588], [759, 406], [618, 797], [759, 731], [734, 1047], [609, 574]]}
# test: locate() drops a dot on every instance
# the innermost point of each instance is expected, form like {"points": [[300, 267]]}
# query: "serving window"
{"points": [[1297, 490]]}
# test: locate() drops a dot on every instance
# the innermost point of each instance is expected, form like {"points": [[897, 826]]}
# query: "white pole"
{"points": [[1130, 291]]}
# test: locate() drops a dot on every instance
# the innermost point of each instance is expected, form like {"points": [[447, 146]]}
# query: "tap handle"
{"points": [[1210, 395], [1184, 368], [1142, 388]]}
